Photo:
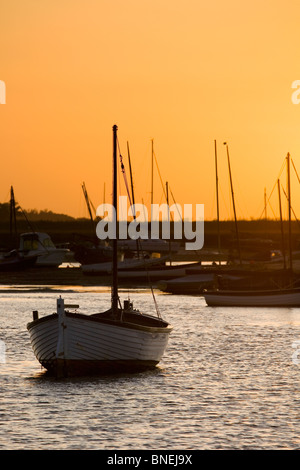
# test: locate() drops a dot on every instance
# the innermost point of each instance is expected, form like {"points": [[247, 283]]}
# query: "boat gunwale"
{"points": [[251, 293], [97, 318]]}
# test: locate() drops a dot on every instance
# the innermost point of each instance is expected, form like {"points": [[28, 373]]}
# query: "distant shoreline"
{"points": [[258, 231]]}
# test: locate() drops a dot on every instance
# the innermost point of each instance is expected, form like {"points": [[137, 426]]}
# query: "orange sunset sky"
{"points": [[180, 72]]}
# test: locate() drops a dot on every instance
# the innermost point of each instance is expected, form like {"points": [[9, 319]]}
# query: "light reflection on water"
{"points": [[227, 381]]}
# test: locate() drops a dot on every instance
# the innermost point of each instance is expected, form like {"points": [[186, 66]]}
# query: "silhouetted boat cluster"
{"points": [[251, 266], [122, 338]]}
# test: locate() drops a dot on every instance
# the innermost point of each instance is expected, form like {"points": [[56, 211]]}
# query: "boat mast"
{"points": [[265, 203], [132, 195], [152, 154], [289, 209], [87, 200], [115, 242], [169, 222], [233, 204], [217, 195], [131, 177], [281, 224], [13, 220]]}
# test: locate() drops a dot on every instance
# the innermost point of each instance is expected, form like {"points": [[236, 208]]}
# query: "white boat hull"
{"points": [[88, 344], [51, 258], [39, 244], [284, 298]]}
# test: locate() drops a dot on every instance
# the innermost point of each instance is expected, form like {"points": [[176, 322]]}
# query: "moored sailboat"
{"points": [[262, 298], [122, 338], [287, 296]]}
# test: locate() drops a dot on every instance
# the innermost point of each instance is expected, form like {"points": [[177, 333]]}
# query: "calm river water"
{"points": [[229, 380]]}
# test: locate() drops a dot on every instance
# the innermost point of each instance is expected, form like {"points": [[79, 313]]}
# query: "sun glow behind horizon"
{"points": [[182, 74]]}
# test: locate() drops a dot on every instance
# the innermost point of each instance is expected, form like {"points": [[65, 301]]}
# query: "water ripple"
{"points": [[227, 381]]}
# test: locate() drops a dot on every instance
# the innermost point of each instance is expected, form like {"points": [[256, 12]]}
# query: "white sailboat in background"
{"points": [[119, 339], [263, 298], [279, 297]]}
